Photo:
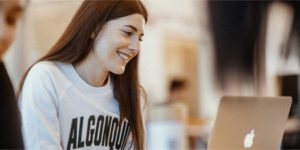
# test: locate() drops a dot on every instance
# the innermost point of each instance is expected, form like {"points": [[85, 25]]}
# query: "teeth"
{"points": [[123, 56]]}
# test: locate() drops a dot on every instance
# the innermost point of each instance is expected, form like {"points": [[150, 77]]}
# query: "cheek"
{"points": [[119, 41], [115, 45], [106, 50], [106, 44], [102, 48], [106, 53]]}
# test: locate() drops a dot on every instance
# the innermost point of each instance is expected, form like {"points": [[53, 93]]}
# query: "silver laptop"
{"points": [[250, 123]]}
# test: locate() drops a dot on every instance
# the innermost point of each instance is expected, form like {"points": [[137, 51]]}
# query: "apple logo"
{"points": [[248, 141]]}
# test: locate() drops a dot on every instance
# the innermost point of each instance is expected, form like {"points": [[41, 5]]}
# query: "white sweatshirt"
{"points": [[61, 111]]}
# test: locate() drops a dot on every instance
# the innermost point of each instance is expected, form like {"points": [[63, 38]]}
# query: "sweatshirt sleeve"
{"points": [[37, 102]]}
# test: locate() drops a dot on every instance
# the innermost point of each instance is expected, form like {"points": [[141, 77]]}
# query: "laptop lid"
{"points": [[250, 122]]}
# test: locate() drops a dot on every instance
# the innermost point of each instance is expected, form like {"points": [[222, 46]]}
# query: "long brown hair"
{"points": [[75, 44]]}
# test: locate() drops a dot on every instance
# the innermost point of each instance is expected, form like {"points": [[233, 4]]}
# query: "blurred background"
{"points": [[193, 53]]}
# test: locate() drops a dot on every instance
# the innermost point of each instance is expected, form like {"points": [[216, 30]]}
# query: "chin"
{"points": [[119, 71]]}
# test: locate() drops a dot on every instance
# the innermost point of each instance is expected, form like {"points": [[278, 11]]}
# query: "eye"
{"points": [[128, 33]]}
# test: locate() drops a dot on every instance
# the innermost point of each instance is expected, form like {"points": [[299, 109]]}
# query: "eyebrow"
{"points": [[134, 28]]}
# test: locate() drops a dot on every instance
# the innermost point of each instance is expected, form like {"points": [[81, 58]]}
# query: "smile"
{"points": [[124, 56]]}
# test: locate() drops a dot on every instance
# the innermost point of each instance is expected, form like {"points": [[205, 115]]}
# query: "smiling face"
{"points": [[9, 14], [118, 42]]}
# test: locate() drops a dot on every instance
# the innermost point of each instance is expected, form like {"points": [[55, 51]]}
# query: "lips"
{"points": [[124, 56]]}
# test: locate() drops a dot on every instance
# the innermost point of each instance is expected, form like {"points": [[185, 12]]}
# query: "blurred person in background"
{"points": [[167, 121], [177, 91], [177, 99], [85, 93], [10, 128]]}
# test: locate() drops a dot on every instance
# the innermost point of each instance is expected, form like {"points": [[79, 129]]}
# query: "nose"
{"points": [[135, 45]]}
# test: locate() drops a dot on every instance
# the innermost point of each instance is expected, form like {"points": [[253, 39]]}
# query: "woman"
{"points": [[80, 95]]}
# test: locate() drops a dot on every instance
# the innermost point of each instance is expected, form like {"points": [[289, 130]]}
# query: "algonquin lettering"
{"points": [[80, 143], [104, 130], [112, 139], [90, 133], [98, 134], [73, 134]]}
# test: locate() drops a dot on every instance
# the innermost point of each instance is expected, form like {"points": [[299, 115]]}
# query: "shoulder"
{"points": [[48, 75], [43, 66], [41, 74], [42, 84], [39, 84], [43, 69]]}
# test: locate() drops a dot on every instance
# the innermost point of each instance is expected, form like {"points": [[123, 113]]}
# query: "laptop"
{"points": [[250, 123]]}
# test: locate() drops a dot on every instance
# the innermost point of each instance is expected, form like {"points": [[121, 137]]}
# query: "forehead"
{"points": [[136, 20], [9, 4]]}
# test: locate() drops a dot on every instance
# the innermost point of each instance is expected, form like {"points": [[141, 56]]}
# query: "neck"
{"points": [[91, 71]]}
